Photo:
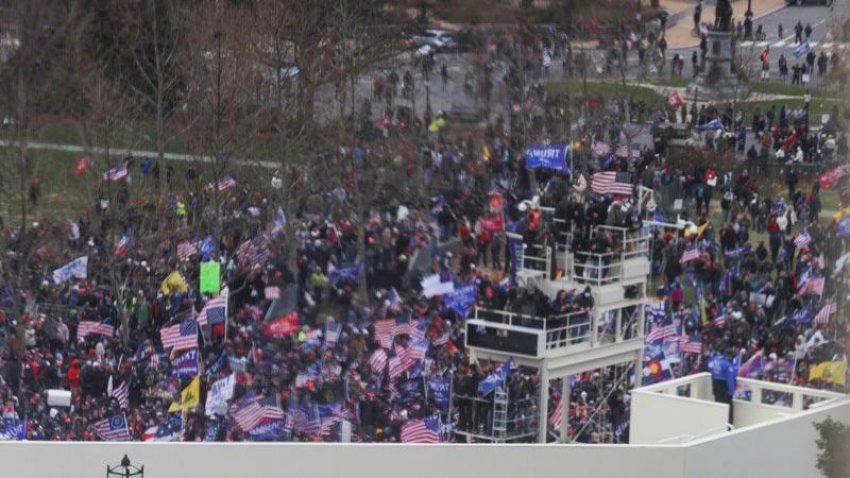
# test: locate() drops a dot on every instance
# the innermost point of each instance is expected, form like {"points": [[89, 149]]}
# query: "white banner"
{"points": [[77, 268], [220, 392]]}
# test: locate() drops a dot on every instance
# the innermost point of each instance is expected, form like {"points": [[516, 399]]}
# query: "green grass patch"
{"points": [[787, 89], [817, 109], [577, 88]]}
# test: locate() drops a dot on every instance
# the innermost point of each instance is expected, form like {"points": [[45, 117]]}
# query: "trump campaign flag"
{"points": [[460, 301], [77, 268], [548, 157], [219, 394], [186, 364], [282, 317]]}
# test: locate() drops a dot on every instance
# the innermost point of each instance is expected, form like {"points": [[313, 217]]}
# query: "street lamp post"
{"points": [[125, 470], [749, 8]]}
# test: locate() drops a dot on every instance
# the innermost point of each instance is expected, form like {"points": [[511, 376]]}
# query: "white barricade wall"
{"points": [[780, 449], [658, 418], [163, 460], [784, 448]]}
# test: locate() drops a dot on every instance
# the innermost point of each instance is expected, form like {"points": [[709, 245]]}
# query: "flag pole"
{"points": [[226, 293]]}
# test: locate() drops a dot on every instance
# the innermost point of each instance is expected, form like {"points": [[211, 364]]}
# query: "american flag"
{"points": [[719, 321], [332, 331], [186, 249], [222, 185], [612, 182], [252, 411], [803, 240], [825, 313], [601, 148], [662, 333], [557, 415], [686, 345], [402, 326], [272, 292], [443, 338], [417, 350], [636, 150], [124, 245], [305, 418], [86, 327], [378, 361], [622, 151], [812, 286], [397, 366], [182, 336], [690, 254], [112, 428], [396, 304], [122, 394], [155, 361], [418, 329], [384, 332], [330, 415], [421, 430], [214, 311], [117, 173], [253, 252]]}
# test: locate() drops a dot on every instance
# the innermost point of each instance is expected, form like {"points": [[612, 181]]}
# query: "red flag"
{"points": [[830, 178], [83, 165], [495, 222], [674, 99]]}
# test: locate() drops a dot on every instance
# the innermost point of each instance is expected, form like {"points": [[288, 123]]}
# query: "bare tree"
{"points": [[154, 30]]}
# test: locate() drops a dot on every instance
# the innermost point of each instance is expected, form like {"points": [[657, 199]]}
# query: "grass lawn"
{"points": [[65, 196], [818, 108], [605, 89], [787, 89]]}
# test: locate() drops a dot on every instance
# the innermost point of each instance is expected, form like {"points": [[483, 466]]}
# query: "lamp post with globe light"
{"points": [[125, 470]]}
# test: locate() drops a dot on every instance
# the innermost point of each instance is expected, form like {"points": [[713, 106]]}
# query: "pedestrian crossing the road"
{"points": [[826, 45]]}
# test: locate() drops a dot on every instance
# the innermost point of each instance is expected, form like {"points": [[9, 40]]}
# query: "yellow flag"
{"points": [[841, 213], [190, 397], [701, 229], [174, 282], [833, 372]]}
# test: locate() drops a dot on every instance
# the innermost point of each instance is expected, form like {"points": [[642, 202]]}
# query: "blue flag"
{"points": [[350, 273], [548, 157], [439, 390], [711, 125], [186, 364], [268, 430], [461, 300], [13, 430], [486, 386], [802, 49]]}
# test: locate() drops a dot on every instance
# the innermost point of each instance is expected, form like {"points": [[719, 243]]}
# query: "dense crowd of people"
{"points": [[334, 327]]}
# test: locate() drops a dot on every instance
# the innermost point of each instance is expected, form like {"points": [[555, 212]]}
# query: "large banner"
{"points": [[548, 157]]}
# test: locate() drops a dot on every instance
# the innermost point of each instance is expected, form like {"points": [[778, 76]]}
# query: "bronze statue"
{"points": [[723, 16]]}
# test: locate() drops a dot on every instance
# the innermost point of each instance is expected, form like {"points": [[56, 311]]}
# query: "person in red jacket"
{"points": [[74, 377]]}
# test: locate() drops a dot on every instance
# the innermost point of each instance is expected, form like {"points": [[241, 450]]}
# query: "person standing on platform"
{"points": [[724, 374]]}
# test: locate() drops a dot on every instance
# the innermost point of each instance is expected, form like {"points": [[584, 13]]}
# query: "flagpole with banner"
{"points": [[225, 292]]}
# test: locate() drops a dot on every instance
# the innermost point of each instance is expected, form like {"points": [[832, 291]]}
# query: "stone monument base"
{"points": [[718, 80]]}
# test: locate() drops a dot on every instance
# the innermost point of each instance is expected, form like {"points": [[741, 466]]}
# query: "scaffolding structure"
{"points": [[558, 346]]}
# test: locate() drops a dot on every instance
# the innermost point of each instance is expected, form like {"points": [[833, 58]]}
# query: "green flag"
{"points": [[210, 277]]}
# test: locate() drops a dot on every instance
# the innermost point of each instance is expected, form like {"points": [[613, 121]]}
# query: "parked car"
{"points": [[827, 3], [439, 40]]}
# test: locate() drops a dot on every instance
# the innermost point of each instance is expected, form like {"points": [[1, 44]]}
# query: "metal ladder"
{"points": [[500, 415]]}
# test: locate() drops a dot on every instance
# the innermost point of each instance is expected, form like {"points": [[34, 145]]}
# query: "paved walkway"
{"points": [[681, 20], [74, 148]]}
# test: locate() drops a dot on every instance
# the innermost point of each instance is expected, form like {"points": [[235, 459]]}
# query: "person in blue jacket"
{"points": [[724, 373]]}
